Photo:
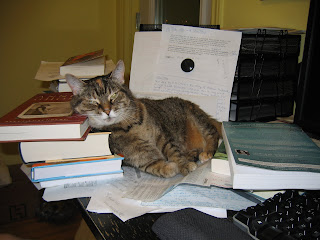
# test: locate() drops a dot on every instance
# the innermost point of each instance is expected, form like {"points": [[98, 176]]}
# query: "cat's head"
{"points": [[105, 99]]}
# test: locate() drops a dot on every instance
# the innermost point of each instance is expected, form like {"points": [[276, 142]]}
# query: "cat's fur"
{"points": [[161, 137]]}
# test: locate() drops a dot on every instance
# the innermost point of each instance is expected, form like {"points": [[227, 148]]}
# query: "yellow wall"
{"points": [[126, 27], [36, 30], [266, 13], [233, 14]]}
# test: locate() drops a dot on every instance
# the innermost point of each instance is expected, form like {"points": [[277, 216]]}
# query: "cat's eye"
{"points": [[93, 102], [113, 97]]}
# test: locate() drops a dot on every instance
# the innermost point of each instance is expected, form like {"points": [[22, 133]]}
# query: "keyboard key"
{"points": [[274, 219], [286, 227], [257, 225], [243, 217], [315, 233], [301, 235], [269, 233]]}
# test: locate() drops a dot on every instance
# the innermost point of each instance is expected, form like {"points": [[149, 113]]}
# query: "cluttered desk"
{"points": [[155, 225], [123, 202], [109, 226], [294, 219]]}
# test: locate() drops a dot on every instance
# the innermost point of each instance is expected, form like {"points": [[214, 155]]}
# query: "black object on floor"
{"points": [[191, 224]]}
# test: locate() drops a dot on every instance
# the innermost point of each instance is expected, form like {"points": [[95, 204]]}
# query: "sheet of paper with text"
{"points": [[156, 66]]}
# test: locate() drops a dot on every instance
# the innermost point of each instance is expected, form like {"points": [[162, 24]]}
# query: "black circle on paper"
{"points": [[187, 65]]}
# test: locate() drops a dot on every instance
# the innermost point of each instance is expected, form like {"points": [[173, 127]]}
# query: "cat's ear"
{"points": [[118, 72], [74, 83]]}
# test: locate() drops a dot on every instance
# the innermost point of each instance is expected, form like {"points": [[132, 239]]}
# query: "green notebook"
{"points": [[272, 152]]}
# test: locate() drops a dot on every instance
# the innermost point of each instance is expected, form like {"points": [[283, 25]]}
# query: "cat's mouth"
{"points": [[109, 116], [102, 119]]}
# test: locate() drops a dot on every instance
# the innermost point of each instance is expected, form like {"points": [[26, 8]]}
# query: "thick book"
{"points": [[82, 168], [271, 156], [219, 160], [87, 64], [57, 86], [50, 71], [46, 116], [61, 85], [78, 181], [96, 144]]}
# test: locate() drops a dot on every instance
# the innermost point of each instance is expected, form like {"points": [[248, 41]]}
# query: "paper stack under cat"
{"points": [[56, 145]]}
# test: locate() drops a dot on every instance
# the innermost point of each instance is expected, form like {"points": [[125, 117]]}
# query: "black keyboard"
{"points": [[288, 215]]}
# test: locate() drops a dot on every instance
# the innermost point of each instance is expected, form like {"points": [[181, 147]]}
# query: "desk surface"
{"points": [[109, 226]]}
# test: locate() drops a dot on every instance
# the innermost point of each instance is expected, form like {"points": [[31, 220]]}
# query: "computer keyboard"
{"points": [[287, 215]]}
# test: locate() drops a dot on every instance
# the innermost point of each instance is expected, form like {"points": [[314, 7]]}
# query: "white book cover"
{"points": [[88, 68], [96, 144]]}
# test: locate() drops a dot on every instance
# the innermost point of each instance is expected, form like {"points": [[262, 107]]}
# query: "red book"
{"points": [[46, 116]]}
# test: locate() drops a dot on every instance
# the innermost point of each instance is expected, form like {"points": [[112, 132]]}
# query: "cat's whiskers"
{"points": [[92, 115], [124, 120], [128, 118], [82, 114]]}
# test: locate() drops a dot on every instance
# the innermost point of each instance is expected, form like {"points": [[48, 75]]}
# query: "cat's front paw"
{"points": [[162, 168], [187, 168], [169, 170], [205, 156]]}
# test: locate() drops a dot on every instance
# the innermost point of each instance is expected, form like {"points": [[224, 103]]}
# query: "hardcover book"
{"points": [[271, 156], [46, 116], [96, 144], [85, 64]]}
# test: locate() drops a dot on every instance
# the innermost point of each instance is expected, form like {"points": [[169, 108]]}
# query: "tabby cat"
{"points": [[160, 137]]}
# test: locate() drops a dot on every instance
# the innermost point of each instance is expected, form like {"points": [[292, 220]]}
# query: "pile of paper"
{"points": [[138, 193]]}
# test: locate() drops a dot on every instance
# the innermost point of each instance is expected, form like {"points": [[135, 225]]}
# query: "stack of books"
{"points": [[61, 85], [57, 144], [60, 162], [83, 66]]}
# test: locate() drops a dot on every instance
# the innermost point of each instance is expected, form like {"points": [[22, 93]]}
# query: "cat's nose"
{"points": [[106, 108], [107, 111]]}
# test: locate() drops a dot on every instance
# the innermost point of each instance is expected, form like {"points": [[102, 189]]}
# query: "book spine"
{"points": [[67, 177], [20, 153], [76, 161], [53, 183]]}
